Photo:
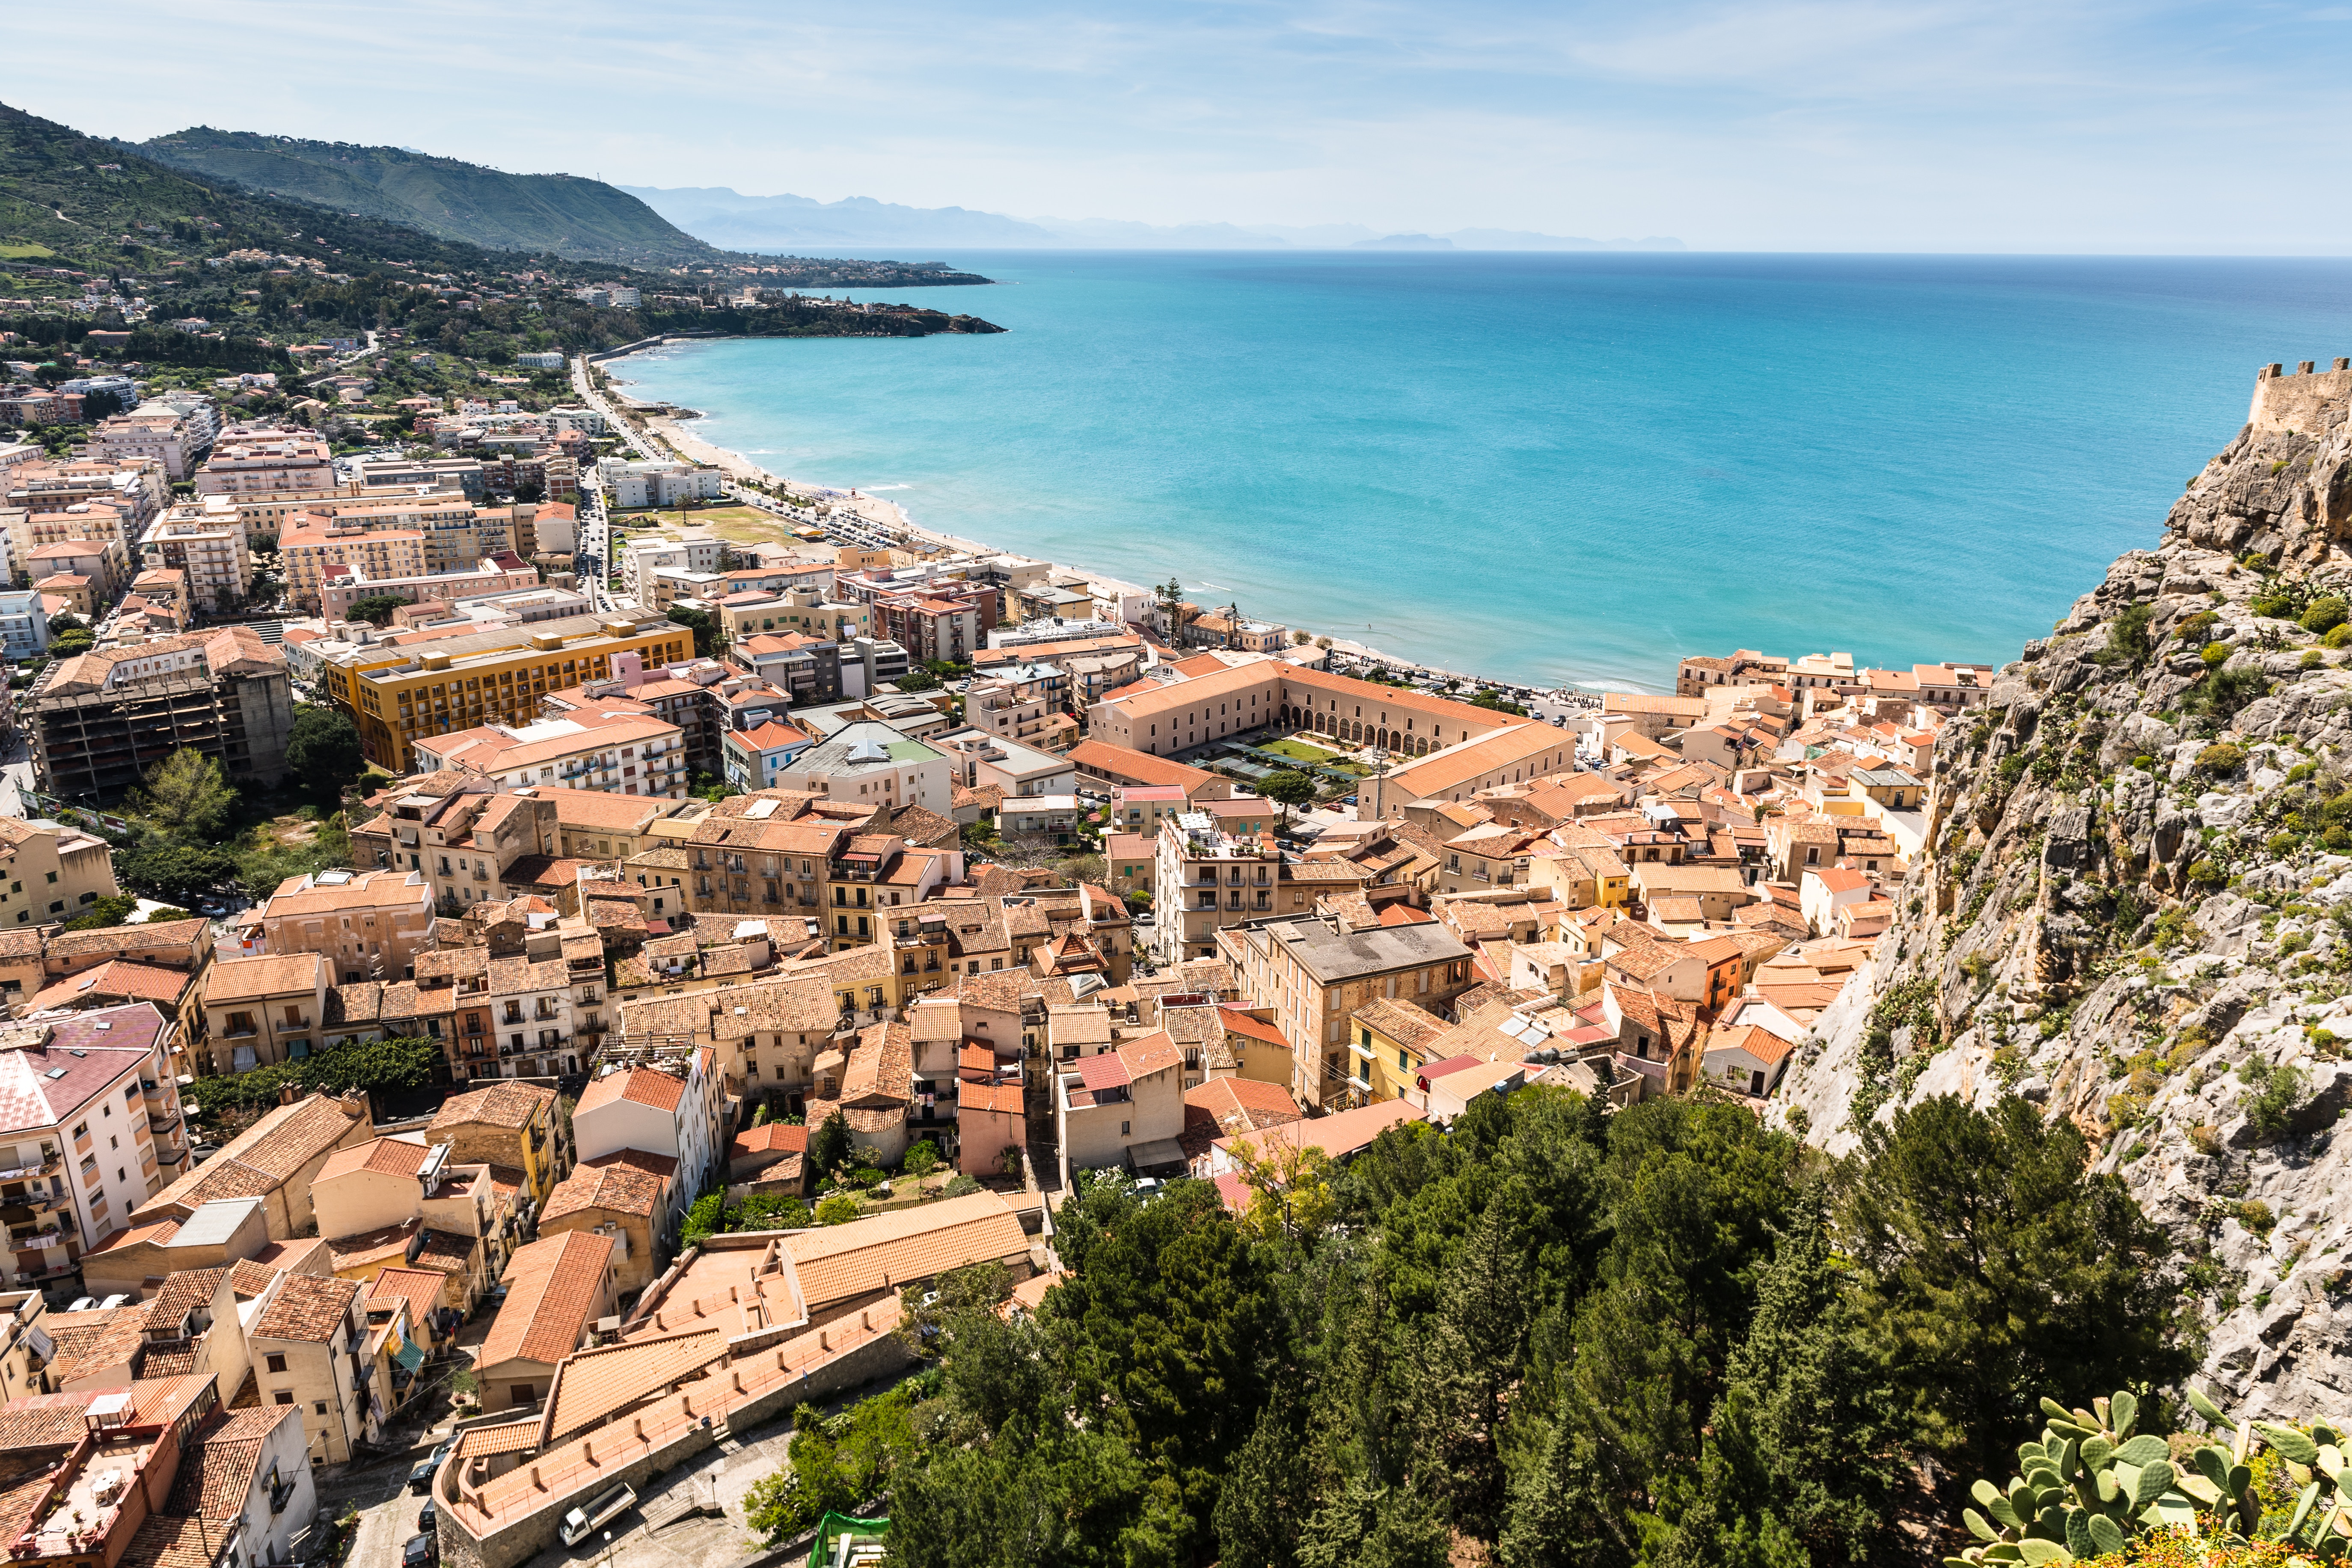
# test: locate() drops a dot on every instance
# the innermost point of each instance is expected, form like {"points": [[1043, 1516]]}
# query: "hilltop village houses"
{"points": [[674, 853]]}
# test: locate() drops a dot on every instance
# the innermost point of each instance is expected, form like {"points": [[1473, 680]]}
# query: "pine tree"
{"points": [[1560, 1515], [1267, 1492], [1465, 1365], [1999, 1268]]}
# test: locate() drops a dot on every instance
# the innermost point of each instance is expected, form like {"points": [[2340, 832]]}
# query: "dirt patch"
{"points": [[293, 831]]}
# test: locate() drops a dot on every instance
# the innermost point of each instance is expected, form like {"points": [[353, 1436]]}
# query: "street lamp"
{"points": [[1380, 756]]}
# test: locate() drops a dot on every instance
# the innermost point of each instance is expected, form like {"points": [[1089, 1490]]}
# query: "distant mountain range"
{"points": [[583, 219], [800, 223]]}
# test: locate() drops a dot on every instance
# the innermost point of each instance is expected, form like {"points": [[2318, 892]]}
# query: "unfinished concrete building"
{"points": [[100, 719]]}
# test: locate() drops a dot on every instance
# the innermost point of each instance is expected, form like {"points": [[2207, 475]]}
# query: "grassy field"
{"points": [[23, 252], [736, 524], [1300, 750]]}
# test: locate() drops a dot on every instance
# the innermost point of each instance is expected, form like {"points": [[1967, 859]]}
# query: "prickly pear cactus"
{"points": [[2090, 1485]]}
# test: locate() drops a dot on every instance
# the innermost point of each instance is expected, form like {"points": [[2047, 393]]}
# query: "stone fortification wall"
{"points": [[2285, 402]]}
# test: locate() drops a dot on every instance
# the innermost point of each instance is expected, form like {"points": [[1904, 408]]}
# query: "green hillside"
{"points": [[86, 203], [574, 217]]}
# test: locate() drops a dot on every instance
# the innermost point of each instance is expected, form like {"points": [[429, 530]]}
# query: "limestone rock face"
{"points": [[2151, 937]]}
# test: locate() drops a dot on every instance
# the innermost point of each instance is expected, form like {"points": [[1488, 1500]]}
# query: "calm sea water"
{"points": [[1553, 468]]}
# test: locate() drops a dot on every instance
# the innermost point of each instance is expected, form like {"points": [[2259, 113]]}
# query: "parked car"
{"points": [[428, 1518], [420, 1551], [421, 1477]]}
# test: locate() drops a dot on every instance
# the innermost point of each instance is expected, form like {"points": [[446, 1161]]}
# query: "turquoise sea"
{"points": [[1548, 468]]}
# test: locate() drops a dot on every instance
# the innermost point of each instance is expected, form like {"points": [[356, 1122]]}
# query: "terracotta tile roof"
{"points": [[554, 1286], [1337, 1136], [642, 1085], [119, 978], [882, 1252], [982, 1094], [420, 1288], [777, 1137], [216, 1477], [1407, 1022], [180, 1541], [451, 1252], [503, 1104], [619, 1183], [89, 1342], [400, 1156], [29, 1425], [592, 1384], [258, 1159], [179, 1295], [307, 1307], [366, 1247], [250, 1276], [519, 1438], [142, 939], [168, 1363], [273, 974]]}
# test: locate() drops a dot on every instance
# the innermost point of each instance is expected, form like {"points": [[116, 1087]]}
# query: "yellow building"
{"points": [[394, 694], [49, 872], [1390, 1042], [307, 553], [508, 1126]]}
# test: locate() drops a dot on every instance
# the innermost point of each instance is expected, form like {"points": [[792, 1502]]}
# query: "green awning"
{"points": [[412, 1356]]}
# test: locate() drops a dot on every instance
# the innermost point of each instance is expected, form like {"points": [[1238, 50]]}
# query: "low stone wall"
{"points": [[523, 1537]]}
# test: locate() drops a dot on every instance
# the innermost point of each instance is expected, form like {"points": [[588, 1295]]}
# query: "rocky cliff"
{"points": [[2136, 908]]}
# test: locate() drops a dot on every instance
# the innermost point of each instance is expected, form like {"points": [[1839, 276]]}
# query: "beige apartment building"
{"points": [[307, 1346], [151, 431], [1312, 971], [51, 872], [207, 541], [267, 462], [259, 1011], [368, 925], [307, 555]]}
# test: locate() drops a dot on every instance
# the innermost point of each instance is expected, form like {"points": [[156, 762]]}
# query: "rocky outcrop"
{"points": [[2136, 909]]}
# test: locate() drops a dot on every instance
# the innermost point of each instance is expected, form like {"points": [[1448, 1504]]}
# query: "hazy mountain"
{"points": [[581, 218], [789, 223]]}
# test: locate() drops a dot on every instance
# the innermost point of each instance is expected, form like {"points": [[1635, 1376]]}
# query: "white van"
{"points": [[580, 1521]]}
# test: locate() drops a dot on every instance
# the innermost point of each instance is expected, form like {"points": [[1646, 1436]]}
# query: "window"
{"points": [[276, 1363], [283, 1396], [319, 1405]]}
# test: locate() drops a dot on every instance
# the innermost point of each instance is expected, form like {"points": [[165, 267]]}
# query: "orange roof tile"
{"points": [[642, 1086], [307, 1307], [554, 1286], [885, 1251]]}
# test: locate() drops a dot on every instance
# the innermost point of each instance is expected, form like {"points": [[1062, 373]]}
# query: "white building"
{"points": [[152, 430], [620, 752], [206, 539], [588, 421], [645, 484], [644, 559], [670, 1105], [539, 361], [23, 624], [869, 762], [78, 1133]]}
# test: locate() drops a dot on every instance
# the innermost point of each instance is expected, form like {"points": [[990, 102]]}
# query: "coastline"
{"points": [[890, 516]]}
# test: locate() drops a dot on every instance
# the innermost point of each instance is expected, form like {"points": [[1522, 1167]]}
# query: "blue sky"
{"points": [[2047, 125]]}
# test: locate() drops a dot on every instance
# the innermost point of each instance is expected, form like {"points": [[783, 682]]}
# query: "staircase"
{"points": [[696, 1494]]}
